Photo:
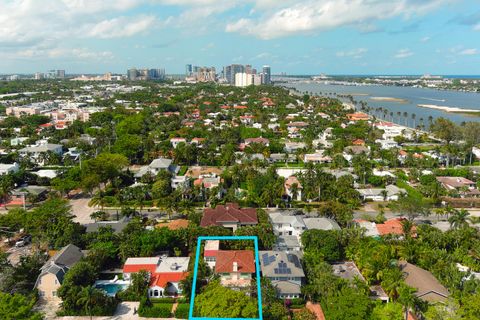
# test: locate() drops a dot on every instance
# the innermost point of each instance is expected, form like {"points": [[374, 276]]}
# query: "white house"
{"points": [[387, 144], [6, 168], [390, 193], [286, 225]]}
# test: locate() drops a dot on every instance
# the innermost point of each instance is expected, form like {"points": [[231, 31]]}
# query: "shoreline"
{"points": [[448, 109]]}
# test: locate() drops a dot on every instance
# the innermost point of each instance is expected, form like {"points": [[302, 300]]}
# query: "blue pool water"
{"points": [[111, 288]]}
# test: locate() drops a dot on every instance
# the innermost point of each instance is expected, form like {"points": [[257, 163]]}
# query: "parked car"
{"points": [[23, 241]]}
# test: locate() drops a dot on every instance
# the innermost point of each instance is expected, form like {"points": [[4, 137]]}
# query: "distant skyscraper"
{"points": [[132, 74], [206, 74], [188, 70], [248, 69], [60, 74], [267, 75]]}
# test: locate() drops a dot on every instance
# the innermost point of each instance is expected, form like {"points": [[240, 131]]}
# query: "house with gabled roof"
{"points": [[229, 215], [428, 287], [235, 267], [284, 271], [54, 270]]}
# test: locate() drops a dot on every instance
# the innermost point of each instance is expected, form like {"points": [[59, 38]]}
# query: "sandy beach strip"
{"points": [[389, 99], [449, 109]]}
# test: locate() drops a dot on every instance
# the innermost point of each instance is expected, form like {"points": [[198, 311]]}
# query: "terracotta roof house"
{"points": [[260, 140], [289, 188], [358, 116], [133, 265], [165, 273], [165, 281], [235, 267], [428, 287], [229, 216], [210, 252], [358, 142], [393, 226]]}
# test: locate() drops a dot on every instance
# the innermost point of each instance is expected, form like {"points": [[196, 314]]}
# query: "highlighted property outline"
{"points": [[257, 272]]}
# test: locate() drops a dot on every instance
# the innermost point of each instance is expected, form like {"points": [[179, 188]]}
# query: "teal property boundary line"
{"points": [[257, 272]]}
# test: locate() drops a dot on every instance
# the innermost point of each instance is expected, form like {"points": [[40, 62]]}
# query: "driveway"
{"points": [[81, 210]]}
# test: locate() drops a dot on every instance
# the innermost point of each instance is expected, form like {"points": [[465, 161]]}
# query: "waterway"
{"points": [[404, 99]]}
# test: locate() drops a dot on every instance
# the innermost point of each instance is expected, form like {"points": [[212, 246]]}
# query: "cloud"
{"points": [[313, 16], [121, 27], [425, 39], [469, 52], [468, 20], [403, 53], [76, 54], [355, 53]]}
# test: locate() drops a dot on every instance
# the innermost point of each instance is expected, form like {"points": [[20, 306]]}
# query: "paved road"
{"points": [[81, 210]]}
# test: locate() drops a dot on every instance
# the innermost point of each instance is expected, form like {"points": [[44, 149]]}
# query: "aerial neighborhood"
{"points": [[105, 187]]}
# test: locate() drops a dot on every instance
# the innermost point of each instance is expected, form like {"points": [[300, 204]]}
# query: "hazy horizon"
{"points": [[292, 36]]}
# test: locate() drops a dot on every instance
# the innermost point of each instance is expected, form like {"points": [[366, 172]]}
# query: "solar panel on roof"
{"points": [[265, 259], [294, 259]]}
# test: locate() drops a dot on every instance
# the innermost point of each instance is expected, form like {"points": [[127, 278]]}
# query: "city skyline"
{"points": [[308, 37]]}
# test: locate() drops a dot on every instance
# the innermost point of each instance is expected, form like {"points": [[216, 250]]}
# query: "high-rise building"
{"points": [[267, 76], [60, 74], [206, 74], [256, 79], [38, 76], [231, 70], [132, 74], [188, 70], [248, 69], [241, 79], [146, 74], [156, 74]]}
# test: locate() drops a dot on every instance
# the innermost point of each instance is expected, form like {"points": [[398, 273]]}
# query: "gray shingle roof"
{"points": [[269, 261], [61, 262], [321, 224]]}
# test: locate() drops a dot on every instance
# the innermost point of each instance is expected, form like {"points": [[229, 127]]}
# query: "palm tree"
{"points": [[98, 201], [88, 298], [384, 194], [391, 280], [430, 122], [398, 116], [405, 117], [459, 219], [413, 119]]}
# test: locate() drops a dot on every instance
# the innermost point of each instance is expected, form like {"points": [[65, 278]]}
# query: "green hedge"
{"points": [[162, 300], [149, 309], [182, 311]]}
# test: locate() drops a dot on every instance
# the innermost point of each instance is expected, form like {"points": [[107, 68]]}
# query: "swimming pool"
{"points": [[111, 288]]}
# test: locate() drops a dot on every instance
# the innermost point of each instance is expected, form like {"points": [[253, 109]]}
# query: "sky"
{"points": [[292, 36]]}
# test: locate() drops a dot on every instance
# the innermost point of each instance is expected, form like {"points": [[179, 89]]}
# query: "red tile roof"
{"points": [[162, 279], [357, 116], [243, 258], [210, 253], [393, 226], [132, 268], [228, 213]]}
